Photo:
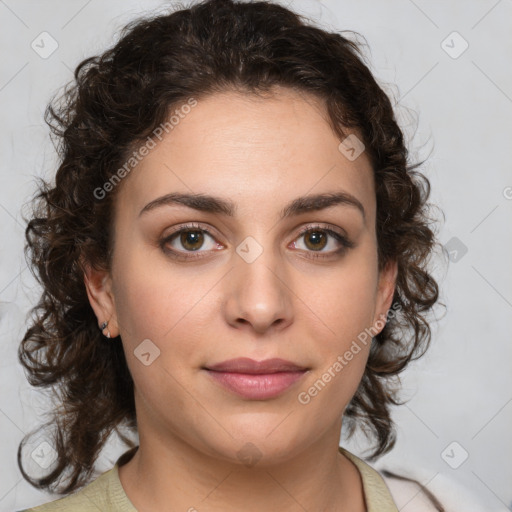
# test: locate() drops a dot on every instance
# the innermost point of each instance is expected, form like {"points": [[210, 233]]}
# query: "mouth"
{"points": [[256, 380]]}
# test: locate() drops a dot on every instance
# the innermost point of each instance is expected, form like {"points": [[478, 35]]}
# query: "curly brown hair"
{"points": [[116, 100]]}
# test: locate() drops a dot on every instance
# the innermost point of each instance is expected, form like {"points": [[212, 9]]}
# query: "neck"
{"points": [[162, 476]]}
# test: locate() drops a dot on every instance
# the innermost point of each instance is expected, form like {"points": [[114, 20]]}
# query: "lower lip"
{"points": [[257, 386]]}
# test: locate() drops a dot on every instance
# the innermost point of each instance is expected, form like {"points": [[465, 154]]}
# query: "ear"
{"points": [[385, 292], [98, 284]]}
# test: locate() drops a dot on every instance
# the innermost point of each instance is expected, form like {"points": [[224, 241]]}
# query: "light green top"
{"points": [[106, 494]]}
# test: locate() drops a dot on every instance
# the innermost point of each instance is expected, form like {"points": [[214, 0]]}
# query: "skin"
{"points": [[260, 153]]}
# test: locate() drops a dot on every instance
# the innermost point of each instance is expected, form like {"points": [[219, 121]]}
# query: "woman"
{"points": [[234, 263]]}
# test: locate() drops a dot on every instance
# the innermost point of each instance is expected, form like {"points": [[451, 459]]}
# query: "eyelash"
{"points": [[345, 242]]}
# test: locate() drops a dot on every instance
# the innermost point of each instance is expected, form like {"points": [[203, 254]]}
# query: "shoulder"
{"points": [[417, 491], [438, 493], [91, 498], [105, 493], [409, 491], [376, 493]]}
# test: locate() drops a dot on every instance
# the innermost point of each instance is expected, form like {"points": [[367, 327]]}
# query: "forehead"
{"points": [[253, 150]]}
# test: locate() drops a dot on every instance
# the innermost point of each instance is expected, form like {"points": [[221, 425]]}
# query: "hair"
{"points": [[116, 100]]}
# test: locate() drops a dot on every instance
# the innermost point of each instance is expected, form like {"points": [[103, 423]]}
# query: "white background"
{"points": [[456, 111]]}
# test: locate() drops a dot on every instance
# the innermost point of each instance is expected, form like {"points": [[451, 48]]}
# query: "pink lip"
{"points": [[256, 380]]}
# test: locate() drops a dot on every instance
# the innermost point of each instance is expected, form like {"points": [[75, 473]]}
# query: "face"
{"points": [[194, 284]]}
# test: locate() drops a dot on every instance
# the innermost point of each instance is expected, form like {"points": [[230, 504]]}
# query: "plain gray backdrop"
{"points": [[446, 65]]}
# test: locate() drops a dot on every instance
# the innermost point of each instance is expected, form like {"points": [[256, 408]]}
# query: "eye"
{"points": [[186, 242], [317, 238], [189, 239]]}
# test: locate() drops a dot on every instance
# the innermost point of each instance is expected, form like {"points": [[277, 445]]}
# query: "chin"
{"points": [[252, 447]]}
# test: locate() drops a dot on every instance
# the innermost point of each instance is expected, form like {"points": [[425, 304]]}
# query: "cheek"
{"points": [[156, 305], [343, 300], [161, 302], [344, 307], [152, 299]]}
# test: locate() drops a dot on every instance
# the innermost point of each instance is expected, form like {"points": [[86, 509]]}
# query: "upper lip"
{"points": [[247, 365]]}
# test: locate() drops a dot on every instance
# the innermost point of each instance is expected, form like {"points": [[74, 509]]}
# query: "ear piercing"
{"points": [[103, 327]]}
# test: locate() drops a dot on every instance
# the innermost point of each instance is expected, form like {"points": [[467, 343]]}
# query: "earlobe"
{"points": [[386, 289], [98, 285], [390, 283]]}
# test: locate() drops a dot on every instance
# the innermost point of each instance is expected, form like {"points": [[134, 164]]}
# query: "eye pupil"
{"points": [[316, 236], [192, 240]]}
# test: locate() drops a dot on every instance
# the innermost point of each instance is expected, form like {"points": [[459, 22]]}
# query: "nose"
{"points": [[259, 294]]}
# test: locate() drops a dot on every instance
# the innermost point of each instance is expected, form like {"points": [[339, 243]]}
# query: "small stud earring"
{"points": [[103, 327]]}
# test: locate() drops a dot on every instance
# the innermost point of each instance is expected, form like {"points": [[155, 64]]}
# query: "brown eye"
{"points": [[188, 240], [315, 240], [192, 240], [318, 238]]}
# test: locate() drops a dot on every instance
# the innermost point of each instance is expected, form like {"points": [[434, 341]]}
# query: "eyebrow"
{"points": [[218, 205]]}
